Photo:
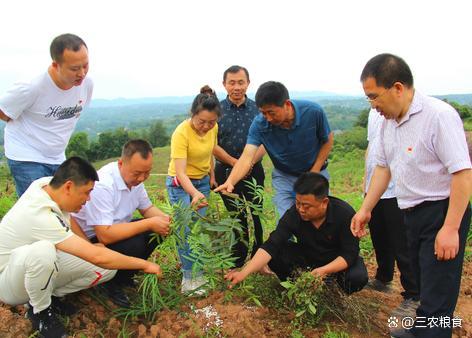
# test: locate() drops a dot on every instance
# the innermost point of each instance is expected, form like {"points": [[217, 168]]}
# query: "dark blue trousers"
{"points": [[439, 281], [284, 265]]}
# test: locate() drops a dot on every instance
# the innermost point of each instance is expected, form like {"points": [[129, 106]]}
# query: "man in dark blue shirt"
{"points": [[325, 244], [238, 112], [295, 134]]}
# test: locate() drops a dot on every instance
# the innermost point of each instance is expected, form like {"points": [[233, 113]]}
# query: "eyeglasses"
{"points": [[371, 98]]}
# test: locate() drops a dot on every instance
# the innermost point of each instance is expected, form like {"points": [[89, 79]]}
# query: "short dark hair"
{"points": [[74, 169], [234, 69], [63, 42], [136, 146], [272, 93], [387, 69], [311, 183], [206, 100]]}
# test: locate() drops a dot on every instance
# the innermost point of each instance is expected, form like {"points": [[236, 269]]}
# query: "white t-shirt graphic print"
{"points": [[43, 117]]}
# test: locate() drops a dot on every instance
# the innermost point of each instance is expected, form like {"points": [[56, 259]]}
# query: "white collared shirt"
{"points": [[111, 202], [423, 150]]}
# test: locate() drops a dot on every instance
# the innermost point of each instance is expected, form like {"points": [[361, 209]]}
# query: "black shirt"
{"points": [[318, 246], [234, 124]]}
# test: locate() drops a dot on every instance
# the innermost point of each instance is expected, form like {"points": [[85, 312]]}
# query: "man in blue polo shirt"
{"points": [[295, 134]]}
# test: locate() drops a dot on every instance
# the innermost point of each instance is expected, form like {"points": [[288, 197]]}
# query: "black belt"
{"points": [[424, 205]]}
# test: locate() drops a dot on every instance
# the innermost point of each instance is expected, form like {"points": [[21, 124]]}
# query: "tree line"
{"points": [[109, 143]]}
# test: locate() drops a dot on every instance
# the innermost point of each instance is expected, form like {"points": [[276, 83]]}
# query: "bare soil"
{"points": [[213, 316]]}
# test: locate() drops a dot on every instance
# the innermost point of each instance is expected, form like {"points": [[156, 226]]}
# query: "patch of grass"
{"points": [[334, 334]]}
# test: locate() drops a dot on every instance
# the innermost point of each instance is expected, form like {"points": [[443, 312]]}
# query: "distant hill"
{"points": [[102, 115], [459, 98]]}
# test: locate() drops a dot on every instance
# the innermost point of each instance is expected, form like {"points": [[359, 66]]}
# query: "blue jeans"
{"points": [[178, 194], [284, 196], [24, 173]]}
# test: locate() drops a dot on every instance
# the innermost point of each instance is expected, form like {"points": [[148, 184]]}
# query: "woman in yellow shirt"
{"points": [[190, 173]]}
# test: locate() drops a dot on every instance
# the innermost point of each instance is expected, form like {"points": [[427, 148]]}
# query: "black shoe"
{"points": [[46, 323], [377, 285], [62, 308], [401, 333], [116, 294]]}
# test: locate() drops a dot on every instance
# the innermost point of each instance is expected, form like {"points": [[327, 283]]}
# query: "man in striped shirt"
{"points": [[422, 146]]}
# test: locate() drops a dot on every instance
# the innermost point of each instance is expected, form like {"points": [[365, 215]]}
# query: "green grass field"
{"points": [[346, 171]]}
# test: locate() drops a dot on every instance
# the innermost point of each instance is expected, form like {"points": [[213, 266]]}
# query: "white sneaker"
{"points": [[190, 285], [198, 283], [187, 285]]}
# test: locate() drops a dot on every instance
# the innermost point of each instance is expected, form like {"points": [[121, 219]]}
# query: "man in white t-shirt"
{"points": [[108, 217], [41, 114], [42, 253]]}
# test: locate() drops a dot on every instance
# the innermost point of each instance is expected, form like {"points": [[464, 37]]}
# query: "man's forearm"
{"points": [[4, 117], [110, 259], [222, 156], [260, 259], [76, 229], [243, 165], [378, 185], [259, 154], [323, 153], [108, 234], [461, 190], [152, 211], [338, 264]]}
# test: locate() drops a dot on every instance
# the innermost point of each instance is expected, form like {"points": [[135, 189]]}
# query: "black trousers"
{"points": [[240, 249], [388, 233], [353, 279], [439, 281], [138, 246]]}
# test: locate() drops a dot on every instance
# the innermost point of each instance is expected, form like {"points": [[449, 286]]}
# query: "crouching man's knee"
{"points": [[102, 276], [40, 257], [354, 278]]}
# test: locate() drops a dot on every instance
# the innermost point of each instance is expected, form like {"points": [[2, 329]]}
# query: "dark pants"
{"points": [[138, 246], [353, 279], [388, 234], [240, 249], [439, 281]]}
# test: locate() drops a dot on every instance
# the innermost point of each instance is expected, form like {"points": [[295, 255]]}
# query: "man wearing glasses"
{"points": [[423, 148]]}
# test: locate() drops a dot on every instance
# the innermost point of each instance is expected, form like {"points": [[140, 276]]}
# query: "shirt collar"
{"points": [[120, 182], [416, 106], [296, 111], [329, 213], [232, 105]]}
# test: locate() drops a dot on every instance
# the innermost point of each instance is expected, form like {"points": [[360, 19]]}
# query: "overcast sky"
{"points": [[160, 48]]}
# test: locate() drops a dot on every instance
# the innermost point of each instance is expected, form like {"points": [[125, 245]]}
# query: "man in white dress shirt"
{"points": [[108, 217], [423, 148], [388, 232], [42, 254]]}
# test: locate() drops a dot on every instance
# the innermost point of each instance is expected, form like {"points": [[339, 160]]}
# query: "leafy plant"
{"points": [[303, 295]]}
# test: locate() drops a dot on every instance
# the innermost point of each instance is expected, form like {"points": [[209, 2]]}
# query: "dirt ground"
{"points": [[214, 317]]}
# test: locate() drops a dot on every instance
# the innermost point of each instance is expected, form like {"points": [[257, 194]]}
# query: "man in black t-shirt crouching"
{"points": [[324, 242]]}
